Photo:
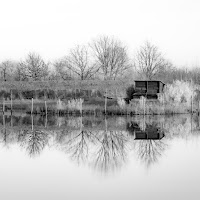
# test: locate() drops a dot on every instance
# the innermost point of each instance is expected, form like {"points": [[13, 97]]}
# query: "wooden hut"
{"points": [[148, 89]]}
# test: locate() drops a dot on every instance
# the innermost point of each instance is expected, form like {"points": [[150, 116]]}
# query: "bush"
{"points": [[129, 93], [179, 92], [28, 94]]}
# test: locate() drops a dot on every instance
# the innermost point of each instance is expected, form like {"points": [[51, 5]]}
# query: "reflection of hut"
{"points": [[151, 132], [149, 89], [149, 135]]}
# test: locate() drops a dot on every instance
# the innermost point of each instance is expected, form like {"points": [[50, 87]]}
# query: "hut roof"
{"points": [[149, 81]]}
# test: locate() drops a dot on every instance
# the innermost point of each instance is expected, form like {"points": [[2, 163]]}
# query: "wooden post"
{"points": [[3, 105], [106, 125], [32, 121], [191, 124], [198, 107], [46, 120], [11, 102], [45, 107], [192, 104], [81, 107], [106, 102], [81, 124], [4, 128], [20, 97], [75, 93], [32, 107], [144, 102], [163, 103]]}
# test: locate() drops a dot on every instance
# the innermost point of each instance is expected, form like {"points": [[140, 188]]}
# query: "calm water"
{"points": [[96, 158]]}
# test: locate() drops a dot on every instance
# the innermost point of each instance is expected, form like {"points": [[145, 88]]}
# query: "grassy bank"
{"points": [[97, 106], [88, 98]]}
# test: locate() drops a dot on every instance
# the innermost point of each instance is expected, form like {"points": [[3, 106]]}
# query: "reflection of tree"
{"points": [[147, 142], [149, 150], [33, 140], [111, 150], [105, 150], [78, 145]]}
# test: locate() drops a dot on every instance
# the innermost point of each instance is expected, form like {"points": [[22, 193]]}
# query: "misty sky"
{"points": [[52, 27]]}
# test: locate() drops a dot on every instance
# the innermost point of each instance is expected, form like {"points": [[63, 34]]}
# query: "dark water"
{"points": [[97, 158]]}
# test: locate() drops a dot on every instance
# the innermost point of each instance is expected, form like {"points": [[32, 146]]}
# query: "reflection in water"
{"points": [[149, 150], [33, 141], [77, 145], [147, 135], [104, 144], [110, 150]]}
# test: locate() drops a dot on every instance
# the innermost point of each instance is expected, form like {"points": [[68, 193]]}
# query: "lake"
{"points": [[97, 158]]}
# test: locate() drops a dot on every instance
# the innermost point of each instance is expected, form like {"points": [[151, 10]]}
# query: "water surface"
{"points": [[87, 158]]}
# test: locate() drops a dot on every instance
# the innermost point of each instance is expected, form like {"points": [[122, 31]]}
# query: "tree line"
{"points": [[104, 58]]}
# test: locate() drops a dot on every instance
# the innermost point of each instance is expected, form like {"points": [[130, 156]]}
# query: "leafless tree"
{"points": [[79, 63], [110, 57], [61, 70], [20, 72], [149, 61], [7, 69], [35, 67]]}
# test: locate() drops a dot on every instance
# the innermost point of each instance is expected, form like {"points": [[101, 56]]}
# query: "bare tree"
{"points": [[6, 69], [110, 57], [61, 71], [149, 61], [35, 67], [20, 72], [78, 62]]}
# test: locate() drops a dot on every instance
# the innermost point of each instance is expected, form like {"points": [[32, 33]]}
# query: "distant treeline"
{"points": [[105, 58]]}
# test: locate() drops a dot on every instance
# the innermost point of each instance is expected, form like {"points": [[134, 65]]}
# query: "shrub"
{"points": [[129, 92], [179, 92], [75, 104], [121, 102], [60, 105], [28, 94]]}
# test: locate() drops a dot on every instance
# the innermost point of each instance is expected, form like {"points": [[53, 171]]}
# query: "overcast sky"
{"points": [[52, 27]]}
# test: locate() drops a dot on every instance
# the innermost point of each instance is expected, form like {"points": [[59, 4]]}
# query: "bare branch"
{"points": [[35, 67], [110, 56], [78, 62], [149, 61]]}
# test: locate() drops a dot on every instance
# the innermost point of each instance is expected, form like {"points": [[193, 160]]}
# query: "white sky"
{"points": [[52, 27]]}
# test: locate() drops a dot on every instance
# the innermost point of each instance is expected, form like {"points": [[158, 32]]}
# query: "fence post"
{"points": [[11, 101], [46, 121], [106, 102], [32, 122], [192, 104], [144, 104], [198, 107], [32, 107], [3, 105], [163, 104], [45, 107]]}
